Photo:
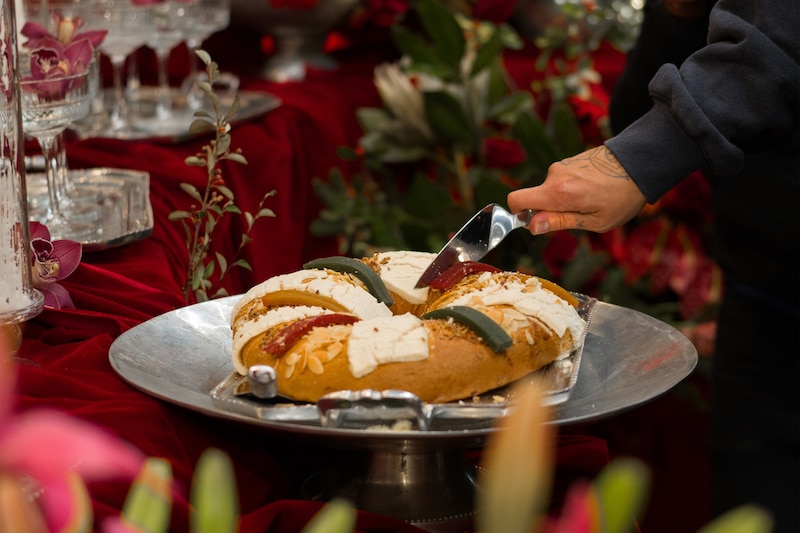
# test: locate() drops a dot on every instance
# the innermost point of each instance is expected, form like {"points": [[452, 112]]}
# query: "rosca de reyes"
{"points": [[350, 324]]}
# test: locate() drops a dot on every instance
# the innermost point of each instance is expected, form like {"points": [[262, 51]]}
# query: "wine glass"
{"points": [[128, 28], [166, 32], [44, 13], [206, 17], [48, 107]]}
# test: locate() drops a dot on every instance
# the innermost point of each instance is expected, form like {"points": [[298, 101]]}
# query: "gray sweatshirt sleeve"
{"points": [[739, 94]]}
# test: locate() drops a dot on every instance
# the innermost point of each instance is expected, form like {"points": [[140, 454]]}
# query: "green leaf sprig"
{"points": [[207, 268]]}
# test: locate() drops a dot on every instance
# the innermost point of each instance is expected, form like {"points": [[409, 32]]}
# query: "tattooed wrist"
{"points": [[599, 159]]}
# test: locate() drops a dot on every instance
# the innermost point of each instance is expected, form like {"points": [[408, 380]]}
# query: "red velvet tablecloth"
{"points": [[64, 356]]}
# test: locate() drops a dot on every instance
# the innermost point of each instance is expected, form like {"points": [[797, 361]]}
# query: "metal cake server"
{"points": [[481, 234]]}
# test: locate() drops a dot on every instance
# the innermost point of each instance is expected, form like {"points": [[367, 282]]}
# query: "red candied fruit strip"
{"points": [[459, 271], [294, 331]]}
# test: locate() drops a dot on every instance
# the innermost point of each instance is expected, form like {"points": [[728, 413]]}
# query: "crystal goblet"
{"points": [[206, 17], [165, 33], [48, 107], [128, 28]]}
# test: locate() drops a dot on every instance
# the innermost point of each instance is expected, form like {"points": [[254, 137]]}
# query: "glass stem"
{"points": [[193, 99], [164, 105], [119, 113], [65, 186], [51, 165]]}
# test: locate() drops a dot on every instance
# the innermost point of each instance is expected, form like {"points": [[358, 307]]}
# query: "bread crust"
{"points": [[458, 366]]}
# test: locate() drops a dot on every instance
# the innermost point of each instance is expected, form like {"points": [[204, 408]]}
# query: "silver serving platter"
{"points": [[122, 209], [422, 477], [183, 357]]}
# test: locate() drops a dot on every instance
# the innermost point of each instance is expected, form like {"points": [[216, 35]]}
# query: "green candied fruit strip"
{"points": [[490, 331], [371, 280]]}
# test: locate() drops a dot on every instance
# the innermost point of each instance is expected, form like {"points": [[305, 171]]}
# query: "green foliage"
{"points": [[423, 169], [208, 268]]}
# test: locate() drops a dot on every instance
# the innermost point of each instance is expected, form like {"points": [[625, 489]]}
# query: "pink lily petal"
{"points": [[66, 505], [68, 254], [26, 445], [56, 296]]}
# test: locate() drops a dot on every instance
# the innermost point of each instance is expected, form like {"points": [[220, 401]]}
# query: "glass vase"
{"points": [[19, 300]]}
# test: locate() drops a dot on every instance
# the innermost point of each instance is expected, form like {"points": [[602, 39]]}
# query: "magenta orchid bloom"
{"points": [[54, 58], [83, 452], [52, 261], [66, 32]]}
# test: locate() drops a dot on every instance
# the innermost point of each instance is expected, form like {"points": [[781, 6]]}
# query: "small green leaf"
{"points": [[234, 109], [209, 270], [204, 56], [446, 117], [224, 191], [179, 215], [191, 190], [194, 161], [566, 131], [222, 262], [265, 212], [443, 28], [235, 156], [200, 127], [223, 144], [337, 516], [509, 107], [243, 264], [488, 53]]}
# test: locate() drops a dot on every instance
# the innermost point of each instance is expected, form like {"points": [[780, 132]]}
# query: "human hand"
{"points": [[590, 191]]}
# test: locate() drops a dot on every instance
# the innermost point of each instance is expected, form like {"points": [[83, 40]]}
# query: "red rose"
{"points": [[502, 153]]}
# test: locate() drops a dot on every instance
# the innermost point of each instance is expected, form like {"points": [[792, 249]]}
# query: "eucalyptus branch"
{"points": [[216, 199]]}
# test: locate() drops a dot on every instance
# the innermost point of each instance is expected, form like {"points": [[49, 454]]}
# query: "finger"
{"points": [[547, 221], [536, 198]]}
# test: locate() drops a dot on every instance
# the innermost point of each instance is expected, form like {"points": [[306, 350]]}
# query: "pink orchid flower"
{"points": [[54, 59], [52, 261], [66, 32], [83, 452]]}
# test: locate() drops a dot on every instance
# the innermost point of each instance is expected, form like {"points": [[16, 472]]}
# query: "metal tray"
{"points": [[145, 126], [184, 357], [122, 204], [422, 477]]}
